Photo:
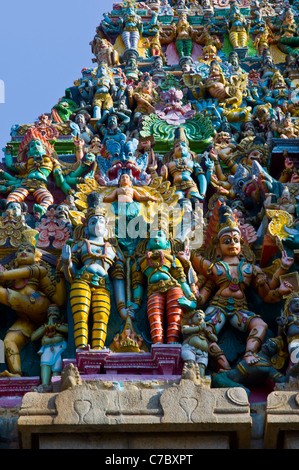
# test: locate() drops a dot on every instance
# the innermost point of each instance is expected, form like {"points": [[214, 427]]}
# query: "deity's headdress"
{"points": [[227, 221], [95, 206]]}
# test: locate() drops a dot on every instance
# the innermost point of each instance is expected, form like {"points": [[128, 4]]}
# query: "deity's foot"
{"points": [[250, 358], [6, 373]]}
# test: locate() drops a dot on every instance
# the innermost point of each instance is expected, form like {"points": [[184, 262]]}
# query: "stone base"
{"points": [[144, 415], [282, 420]]}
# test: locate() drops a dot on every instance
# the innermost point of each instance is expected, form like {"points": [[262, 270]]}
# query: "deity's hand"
{"points": [[286, 261], [66, 255], [213, 155], [285, 288], [7, 149], [209, 163], [288, 163], [188, 304], [125, 312], [184, 256]]}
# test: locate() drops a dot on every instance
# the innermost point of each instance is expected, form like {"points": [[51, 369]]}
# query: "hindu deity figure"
{"points": [[196, 342], [88, 266], [269, 361], [145, 96], [158, 268], [287, 39], [35, 163], [230, 271], [104, 51], [289, 325], [182, 33], [228, 92], [103, 87], [27, 289], [238, 27], [171, 107], [53, 343], [182, 164]]}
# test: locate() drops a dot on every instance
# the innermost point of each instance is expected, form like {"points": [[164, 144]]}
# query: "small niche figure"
{"points": [[196, 340], [53, 343]]}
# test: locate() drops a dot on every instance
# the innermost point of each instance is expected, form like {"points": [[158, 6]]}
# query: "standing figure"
{"points": [[87, 266], [53, 343], [158, 267], [230, 273], [28, 290], [103, 89], [182, 165], [237, 26]]}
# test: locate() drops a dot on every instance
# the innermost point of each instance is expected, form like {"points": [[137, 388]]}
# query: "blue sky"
{"points": [[44, 45]]}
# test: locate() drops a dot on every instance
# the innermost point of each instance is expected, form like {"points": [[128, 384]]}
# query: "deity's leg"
{"points": [[80, 300], [43, 198], [289, 45], [155, 313], [257, 332], [126, 39], [100, 304], [13, 343], [174, 314], [234, 39], [135, 36], [18, 195]]}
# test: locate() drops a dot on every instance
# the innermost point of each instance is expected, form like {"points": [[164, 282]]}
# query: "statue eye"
{"points": [[116, 154]]}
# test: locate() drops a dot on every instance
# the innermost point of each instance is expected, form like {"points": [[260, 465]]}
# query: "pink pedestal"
{"points": [[12, 389], [163, 360]]}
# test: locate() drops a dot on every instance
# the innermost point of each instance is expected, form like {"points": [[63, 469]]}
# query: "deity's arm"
{"points": [[262, 286], [37, 334], [143, 197], [111, 197], [117, 273], [201, 178], [26, 272], [138, 281], [57, 292], [62, 181], [9, 160], [71, 261]]}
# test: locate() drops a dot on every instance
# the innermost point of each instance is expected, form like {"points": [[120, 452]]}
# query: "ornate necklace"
{"points": [[234, 281], [156, 264], [97, 256]]}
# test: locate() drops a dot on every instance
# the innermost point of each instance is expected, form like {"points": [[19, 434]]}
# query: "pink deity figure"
{"points": [[53, 230], [227, 270]]}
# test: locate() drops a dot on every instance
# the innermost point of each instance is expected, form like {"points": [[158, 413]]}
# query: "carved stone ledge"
{"points": [[282, 420], [136, 415]]}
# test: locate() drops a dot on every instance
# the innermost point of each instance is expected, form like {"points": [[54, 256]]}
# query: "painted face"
{"points": [[198, 317], [230, 244], [97, 226], [158, 241], [15, 207], [36, 148], [25, 255], [125, 180], [181, 150], [89, 158], [294, 305], [255, 155]]}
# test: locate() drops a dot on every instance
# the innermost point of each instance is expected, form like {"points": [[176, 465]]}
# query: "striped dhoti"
{"points": [[85, 299], [156, 304]]}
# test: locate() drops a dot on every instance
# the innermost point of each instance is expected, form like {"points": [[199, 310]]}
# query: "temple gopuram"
{"points": [[149, 238]]}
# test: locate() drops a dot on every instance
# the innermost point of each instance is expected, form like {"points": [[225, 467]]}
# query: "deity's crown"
{"points": [[30, 237], [95, 206], [180, 136], [227, 221]]}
